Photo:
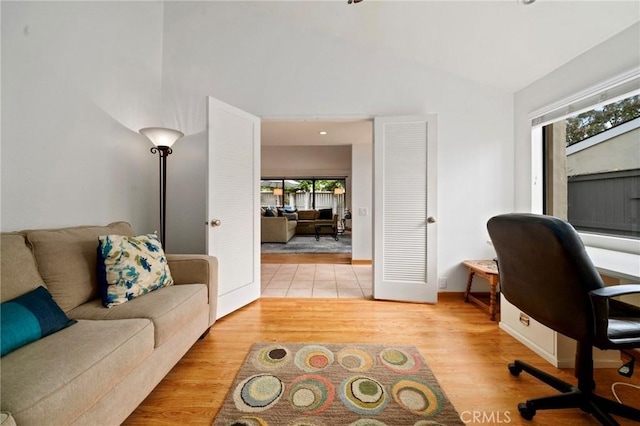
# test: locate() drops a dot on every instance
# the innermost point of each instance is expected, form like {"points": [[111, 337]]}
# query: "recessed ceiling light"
{"points": [[323, 132]]}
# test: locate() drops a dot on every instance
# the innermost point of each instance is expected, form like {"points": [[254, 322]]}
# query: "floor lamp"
{"points": [[162, 140], [339, 191], [278, 192]]}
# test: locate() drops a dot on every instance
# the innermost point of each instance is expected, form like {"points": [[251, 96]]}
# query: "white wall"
{"points": [[309, 161], [256, 56], [614, 56], [78, 80], [362, 198]]}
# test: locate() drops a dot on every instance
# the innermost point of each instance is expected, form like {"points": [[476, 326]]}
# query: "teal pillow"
{"points": [[28, 318], [129, 267]]}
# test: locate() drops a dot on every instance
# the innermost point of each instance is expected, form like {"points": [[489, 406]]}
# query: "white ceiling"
{"points": [[307, 132], [502, 44]]}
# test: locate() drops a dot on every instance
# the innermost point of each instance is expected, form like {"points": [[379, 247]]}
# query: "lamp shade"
{"points": [[338, 191], [160, 136], [277, 191]]}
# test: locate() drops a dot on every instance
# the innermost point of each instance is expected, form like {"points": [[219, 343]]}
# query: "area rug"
{"points": [[293, 384], [308, 244]]}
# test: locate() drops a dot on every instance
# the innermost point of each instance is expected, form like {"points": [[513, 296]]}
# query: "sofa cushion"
{"points": [[62, 375], [291, 216], [66, 260], [307, 215], [325, 214], [129, 267], [18, 271], [170, 309], [30, 317]]}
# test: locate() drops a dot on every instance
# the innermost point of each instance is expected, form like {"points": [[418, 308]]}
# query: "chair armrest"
{"points": [[197, 269], [605, 308], [615, 290]]}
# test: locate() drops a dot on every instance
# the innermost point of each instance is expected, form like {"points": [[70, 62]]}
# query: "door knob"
{"points": [[431, 219], [215, 222]]}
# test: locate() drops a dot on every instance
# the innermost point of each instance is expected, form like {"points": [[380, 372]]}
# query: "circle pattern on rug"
{"points": [[417, 396], [313, 358], [400, 361], [311, 394], [257, 393], [355, 360], [306, 421], [367, 422], [272, 357], [363, 395], [248, 421]]}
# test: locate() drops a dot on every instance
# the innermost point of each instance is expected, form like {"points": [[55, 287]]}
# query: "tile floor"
{"points": [[316, 280]]}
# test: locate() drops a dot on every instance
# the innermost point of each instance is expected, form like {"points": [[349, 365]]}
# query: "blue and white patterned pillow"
{"points": [[129, 267]]}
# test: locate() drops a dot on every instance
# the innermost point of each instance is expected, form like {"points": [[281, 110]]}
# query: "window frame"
{"points": [[617, 88]]}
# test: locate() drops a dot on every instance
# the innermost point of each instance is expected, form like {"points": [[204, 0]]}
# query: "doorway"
{"points": [[316, 150], [240, 157]]}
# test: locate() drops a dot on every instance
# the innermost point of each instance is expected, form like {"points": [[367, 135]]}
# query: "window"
{"points": [[588, 154], [304, 193], [592, 164]]}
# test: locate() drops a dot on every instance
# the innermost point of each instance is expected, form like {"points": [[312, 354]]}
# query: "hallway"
{"points": [[316, 280]]}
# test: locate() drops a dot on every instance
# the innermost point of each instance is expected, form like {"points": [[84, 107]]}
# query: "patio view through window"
{"points": [[304, 193], [602, 160]]}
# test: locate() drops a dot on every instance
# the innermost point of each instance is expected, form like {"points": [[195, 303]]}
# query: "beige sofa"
{"points": [[277, 229], [98, 370]]}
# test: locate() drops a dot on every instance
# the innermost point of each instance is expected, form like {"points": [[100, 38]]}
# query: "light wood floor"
{"points": [[467, 352]]}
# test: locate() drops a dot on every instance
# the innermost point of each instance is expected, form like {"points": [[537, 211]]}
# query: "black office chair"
{"points": [[546, 273]]}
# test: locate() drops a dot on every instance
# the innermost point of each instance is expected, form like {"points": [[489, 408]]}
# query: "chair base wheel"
{"points": [[526, 412], [514, 369]]}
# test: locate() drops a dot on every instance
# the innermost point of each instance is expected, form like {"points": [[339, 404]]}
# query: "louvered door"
{"points": [[233, 204], [405, 257]]}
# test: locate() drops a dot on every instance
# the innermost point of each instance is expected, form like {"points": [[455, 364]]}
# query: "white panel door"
{"points": [[233, 205], [404, 211]]}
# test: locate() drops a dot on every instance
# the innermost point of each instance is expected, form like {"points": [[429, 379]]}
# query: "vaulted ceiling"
{"points": [[502, 44]]}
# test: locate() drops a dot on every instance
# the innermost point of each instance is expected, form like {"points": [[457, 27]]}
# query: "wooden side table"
{"points": [[488, 270]]}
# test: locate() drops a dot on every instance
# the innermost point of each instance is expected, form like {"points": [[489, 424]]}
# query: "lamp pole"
{"points": [[162, 139], [163, 152]]}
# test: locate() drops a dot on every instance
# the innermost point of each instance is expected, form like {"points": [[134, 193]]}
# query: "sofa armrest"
{"points": [[6, 419], [275, 229], [197, 269], [279, 223]]}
